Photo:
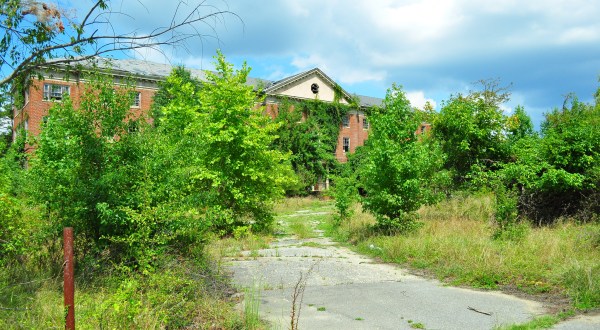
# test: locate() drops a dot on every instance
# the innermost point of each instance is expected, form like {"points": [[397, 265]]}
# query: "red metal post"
{"points": [[69, 278]]}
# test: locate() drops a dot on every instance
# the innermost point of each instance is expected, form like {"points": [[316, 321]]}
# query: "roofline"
{"points": [[290, 80]]}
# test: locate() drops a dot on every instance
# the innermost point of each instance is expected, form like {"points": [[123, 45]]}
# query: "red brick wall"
{"points": [[355, 132], [36, 108]]}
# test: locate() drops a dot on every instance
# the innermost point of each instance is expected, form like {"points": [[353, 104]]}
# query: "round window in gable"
{"points": [[314, 88]]}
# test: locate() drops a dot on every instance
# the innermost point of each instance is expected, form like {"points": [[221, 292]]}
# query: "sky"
{"points": [[543, 50]]}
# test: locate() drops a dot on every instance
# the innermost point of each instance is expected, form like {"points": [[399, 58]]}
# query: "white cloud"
{"points": [[545, 48], [418, 99]]}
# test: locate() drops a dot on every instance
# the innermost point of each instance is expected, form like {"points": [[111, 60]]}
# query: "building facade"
{"points": [[309, 85]]}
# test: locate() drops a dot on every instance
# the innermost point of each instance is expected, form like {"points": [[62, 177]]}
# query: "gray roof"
{"points": [[369, 101], [158, 71]]}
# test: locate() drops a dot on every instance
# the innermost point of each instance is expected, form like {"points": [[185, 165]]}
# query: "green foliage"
{"points": [[94, 174], [470, 132], [345, 192], [221, 143], [396, 167], [583, 283], [557, 173], [171, 88], [18, 233], [508, 224], [519, 125], [309, 130]]}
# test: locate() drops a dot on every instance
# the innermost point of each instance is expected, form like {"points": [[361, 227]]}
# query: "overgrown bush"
{"points": [[397, 166], [309, 131]]}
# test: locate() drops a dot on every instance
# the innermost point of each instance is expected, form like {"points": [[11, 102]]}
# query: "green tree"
{"points": [[396, 165], [470, 130], [171, 87], [227, 142], [558, 173], [91, 171], [519, 125]]}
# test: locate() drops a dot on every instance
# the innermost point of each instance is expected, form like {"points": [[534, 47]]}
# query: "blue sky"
{"points": [[545, 49]]}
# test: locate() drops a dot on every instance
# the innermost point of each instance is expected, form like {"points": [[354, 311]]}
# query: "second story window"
{"points": [[365, 123], [55, 92], [346, 121], [137, 99], [346, 144]]}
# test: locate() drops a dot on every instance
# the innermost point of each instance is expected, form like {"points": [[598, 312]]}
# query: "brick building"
{"points": [[303, 86]]}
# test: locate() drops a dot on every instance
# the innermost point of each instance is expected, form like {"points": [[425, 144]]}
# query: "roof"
{"points": [[158, 71]]}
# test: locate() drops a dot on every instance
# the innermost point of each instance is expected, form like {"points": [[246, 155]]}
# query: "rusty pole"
{"points": [[69, 278]]}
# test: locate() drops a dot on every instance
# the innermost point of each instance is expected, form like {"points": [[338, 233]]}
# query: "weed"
{"points": [[359, 319], [456, 245], [313, 244], [321, 309], [298, 296], [417, 325], [540, 322], [251, 307], [301, 229]]}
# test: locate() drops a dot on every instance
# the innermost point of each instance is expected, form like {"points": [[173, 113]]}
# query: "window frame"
{"points": [[49, 94], [365, 123], [137, 100], [346, 144], [346, 121]]}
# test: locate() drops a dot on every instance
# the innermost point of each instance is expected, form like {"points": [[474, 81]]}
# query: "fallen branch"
{"points": [[477, 311]]}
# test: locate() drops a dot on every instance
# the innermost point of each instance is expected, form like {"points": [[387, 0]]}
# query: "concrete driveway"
{"points": [[344, 290]]}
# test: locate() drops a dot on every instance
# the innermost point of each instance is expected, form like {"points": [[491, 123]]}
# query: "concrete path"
{"points": [[344, 290]]}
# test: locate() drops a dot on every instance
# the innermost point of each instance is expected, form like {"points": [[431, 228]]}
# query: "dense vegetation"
{"points": [[145, 194], [143, 200], [508, 207], [538, 177]]}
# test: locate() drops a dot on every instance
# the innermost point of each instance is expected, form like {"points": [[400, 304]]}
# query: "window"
{"points": [[54, 92], [26, 96], [365, 123], [346, 144], [423, 128], [137, 99], [346, 121]]}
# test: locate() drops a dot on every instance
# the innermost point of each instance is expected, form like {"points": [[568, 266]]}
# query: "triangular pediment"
{"points": [[313, 84]]}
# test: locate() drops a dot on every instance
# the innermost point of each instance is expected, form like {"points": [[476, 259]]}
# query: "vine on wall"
{"points": [[309, 130]]}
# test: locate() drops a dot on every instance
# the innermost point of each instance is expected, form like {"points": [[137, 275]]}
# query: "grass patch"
{"points": [[178, 293], [301, 229], [293, 204], [541, 322], [233, 247], [300, 216], [455, 244], [313, 244]]}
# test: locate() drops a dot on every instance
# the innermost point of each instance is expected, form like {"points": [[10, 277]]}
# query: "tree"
{"points": [[92, 170], [225, 142], [471, 131], [35, 32], [557, 174], [169, 88], [397, 166], [519, 125]]}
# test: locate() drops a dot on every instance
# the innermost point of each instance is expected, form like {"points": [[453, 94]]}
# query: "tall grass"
{"points": [[179, 293], [293, 204], [455, 244]]}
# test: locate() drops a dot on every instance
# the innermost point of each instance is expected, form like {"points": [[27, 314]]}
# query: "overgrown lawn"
{"points": [[455, 245]]}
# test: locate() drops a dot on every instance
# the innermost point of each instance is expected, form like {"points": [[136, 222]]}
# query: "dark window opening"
{"points": [[346, 144]]}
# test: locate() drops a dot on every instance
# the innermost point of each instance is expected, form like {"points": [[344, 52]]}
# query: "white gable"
{"points": [[302, 88]]}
